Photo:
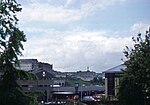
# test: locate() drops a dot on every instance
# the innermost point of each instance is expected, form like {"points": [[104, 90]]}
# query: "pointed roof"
{"points": [[117, 69]]}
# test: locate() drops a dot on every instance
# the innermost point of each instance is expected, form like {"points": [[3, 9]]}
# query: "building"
{"points": [[59, 82], [112, 78], [64, 92], [44, 73], [59, 74], [28, 64], [47, 82], [86, 75]]}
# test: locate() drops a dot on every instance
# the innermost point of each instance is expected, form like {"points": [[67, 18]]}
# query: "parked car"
{"points": [[88, 98]]}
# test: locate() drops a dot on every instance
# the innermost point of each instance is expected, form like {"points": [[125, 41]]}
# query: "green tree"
{"points": [[11, 39], [135, 83], [97, 81]]}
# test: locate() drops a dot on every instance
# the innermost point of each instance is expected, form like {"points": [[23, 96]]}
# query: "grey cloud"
{"points": [[75, 50]]}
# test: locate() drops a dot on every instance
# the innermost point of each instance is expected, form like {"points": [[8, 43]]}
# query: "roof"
{"points": [[28, 60], [42, 70], [63, 93], [117, 69], [83, 88]]}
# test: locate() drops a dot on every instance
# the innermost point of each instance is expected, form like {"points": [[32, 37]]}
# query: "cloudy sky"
{"points": [[74, 34]]}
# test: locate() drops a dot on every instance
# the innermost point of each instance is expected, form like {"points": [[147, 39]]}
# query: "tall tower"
{"points": [[88, 68]]}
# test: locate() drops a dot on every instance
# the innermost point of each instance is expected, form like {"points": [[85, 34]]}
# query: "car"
{"points": [[88, 98]]}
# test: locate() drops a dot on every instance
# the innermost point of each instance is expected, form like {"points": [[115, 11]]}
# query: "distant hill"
{"points": [[70, 81]]}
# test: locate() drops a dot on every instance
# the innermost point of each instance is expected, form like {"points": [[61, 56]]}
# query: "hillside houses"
{"points": [[34, 66]]}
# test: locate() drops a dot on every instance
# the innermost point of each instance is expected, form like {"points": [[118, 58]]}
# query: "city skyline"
{"points": [[75, 34]]}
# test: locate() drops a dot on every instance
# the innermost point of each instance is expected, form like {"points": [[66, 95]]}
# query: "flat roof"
{"points": [[63, 93], [80, 88]]}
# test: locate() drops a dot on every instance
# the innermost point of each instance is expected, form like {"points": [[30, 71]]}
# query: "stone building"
{"points": [[44, 73], [86, 75], [28, 64]]}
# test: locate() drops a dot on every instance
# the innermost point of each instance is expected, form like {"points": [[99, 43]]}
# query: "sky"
{"points": [[76, 34]]}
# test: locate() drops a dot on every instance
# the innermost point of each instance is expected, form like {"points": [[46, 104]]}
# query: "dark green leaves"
{"points": [[136, 78], [11, 39]]}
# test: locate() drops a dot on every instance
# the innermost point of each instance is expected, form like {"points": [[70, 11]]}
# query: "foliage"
{"points": [[11, 39], [97, 81], [135, 83], [70, 81]]}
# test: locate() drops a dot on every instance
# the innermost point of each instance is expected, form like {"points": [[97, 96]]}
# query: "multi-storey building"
{"points": [[43, 72], [112, 78], [46, 81], [28, 64]]}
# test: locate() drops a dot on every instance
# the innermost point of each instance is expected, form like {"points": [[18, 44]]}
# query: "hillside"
{"points": [[70, 81]]}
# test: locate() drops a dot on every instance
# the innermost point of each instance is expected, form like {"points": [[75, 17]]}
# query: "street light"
{"points": [[76, 93], [146, 96], [82, 91], [76, 87]]}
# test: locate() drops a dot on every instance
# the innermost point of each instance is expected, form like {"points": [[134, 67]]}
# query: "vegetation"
{"points": [[97, 81], [70, 81], [11, 39], [135, 83]]}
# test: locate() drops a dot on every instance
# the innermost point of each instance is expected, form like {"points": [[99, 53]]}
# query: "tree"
{"points": [[97, 81], [135, 83], [11, 39]]}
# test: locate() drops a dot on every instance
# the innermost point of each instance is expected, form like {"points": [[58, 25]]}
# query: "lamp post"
{"points": [[146, 97], [47, 93], [47, 87], [76, 93], [76, 87], [82, 91]]}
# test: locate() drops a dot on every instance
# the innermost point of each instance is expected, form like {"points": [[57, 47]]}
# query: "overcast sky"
{"points": [[74, 34]]}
